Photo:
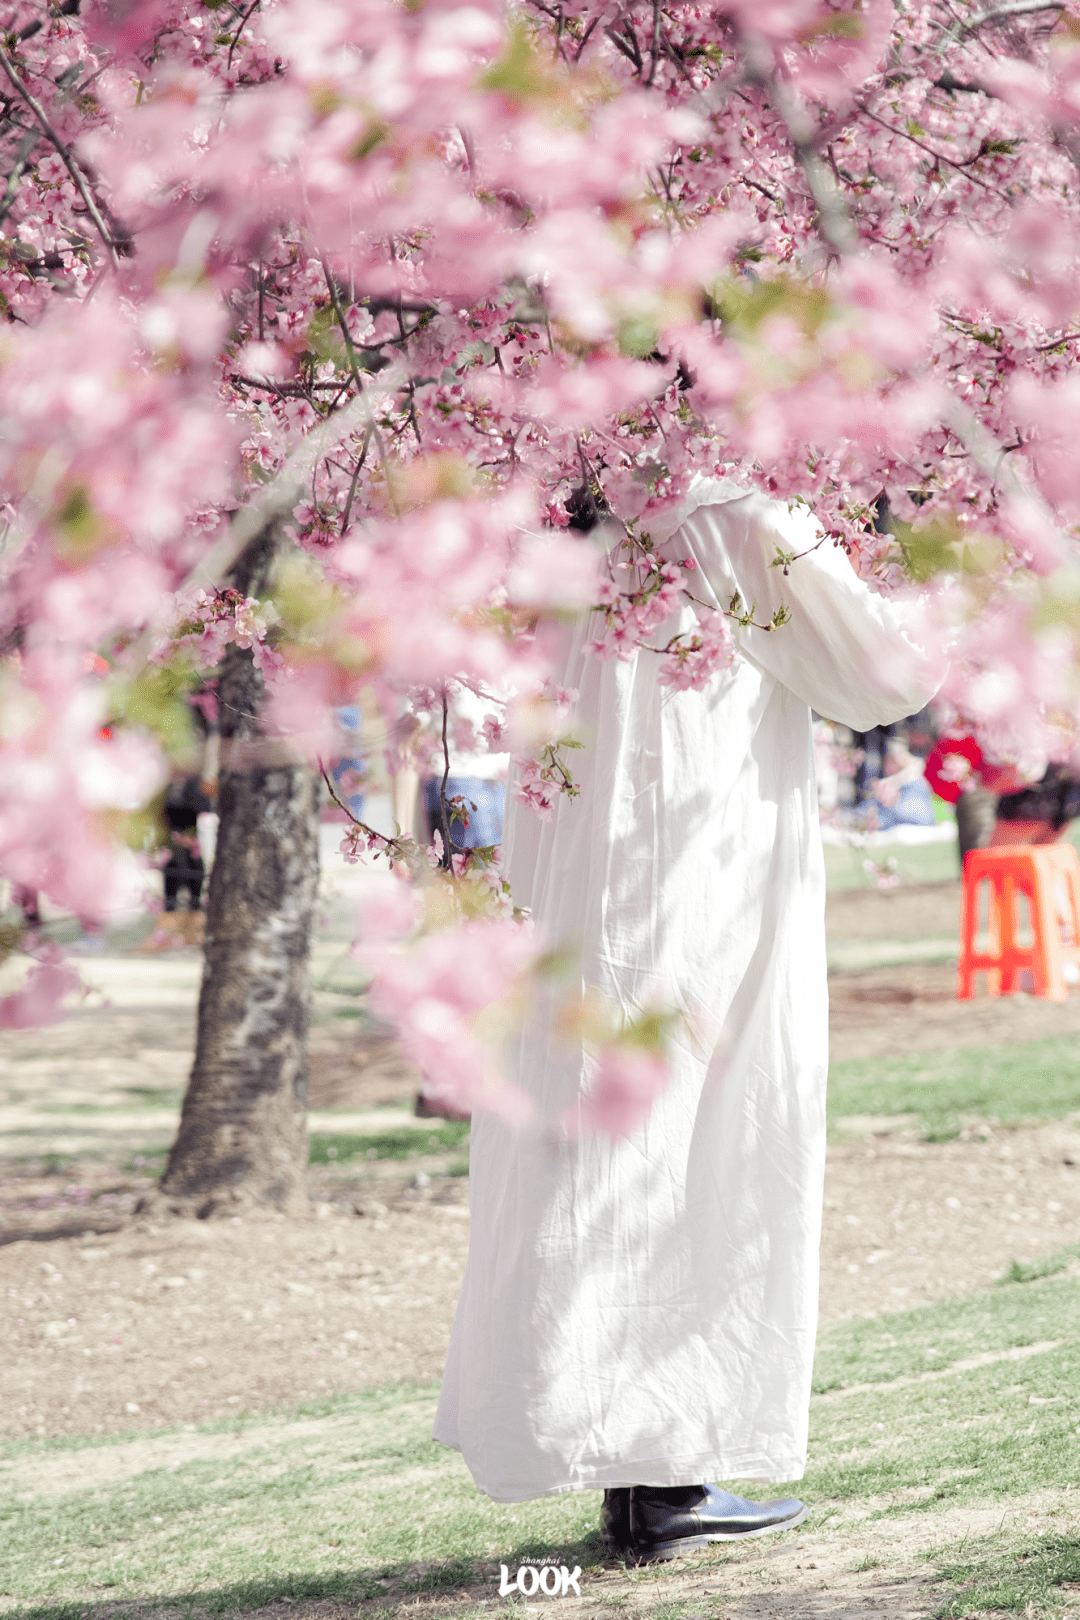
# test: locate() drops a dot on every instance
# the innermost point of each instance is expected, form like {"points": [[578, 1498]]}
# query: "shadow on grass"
{"points": [[388, 1585]]}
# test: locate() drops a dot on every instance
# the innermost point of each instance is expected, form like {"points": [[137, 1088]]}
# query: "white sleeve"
{"points": [[851, 654]]}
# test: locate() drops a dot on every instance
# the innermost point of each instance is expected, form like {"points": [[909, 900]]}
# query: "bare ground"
{"points": [[104, 1312], [195, 1319]]}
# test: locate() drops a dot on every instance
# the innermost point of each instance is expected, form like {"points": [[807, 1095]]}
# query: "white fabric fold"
{"points": [[644, 1311]]}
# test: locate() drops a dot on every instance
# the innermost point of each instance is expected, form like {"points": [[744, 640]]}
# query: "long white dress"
{"points": [[644, 1311]]}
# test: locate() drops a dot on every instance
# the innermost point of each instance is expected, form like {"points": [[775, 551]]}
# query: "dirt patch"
{"points": [[907, 1222], [910, 911], [152, 1325], [351, 1068], [149, 1326], [913, 1008]]}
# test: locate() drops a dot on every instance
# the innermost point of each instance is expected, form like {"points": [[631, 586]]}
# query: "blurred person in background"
{"points": [[190, 795], [994, 805], [1038, 813], [900, 795]]}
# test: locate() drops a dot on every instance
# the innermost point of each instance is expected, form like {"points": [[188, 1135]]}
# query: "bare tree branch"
{"points": [[834, 220], [1019, 8], [355, 369], [67, 8]]}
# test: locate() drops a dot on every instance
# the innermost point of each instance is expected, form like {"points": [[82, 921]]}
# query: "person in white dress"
{"points": [[638, 1315]]}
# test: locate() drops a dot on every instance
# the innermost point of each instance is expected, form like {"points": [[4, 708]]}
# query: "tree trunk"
{"points": [[243, 1130]]}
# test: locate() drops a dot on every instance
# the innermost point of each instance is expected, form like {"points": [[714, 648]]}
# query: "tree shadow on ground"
{"points": [[80, 1227], [1028, 1577], [457, 1587], [385, 1586]]}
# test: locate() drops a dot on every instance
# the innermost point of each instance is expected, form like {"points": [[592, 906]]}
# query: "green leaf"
{"points": [[372, 138], [941, 547], [154, 699], [744, 303], [638, 336], [324, 337], [837, 25], [520, 74]]}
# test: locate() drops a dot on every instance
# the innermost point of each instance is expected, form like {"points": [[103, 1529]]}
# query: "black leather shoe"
{"points": [[615, 1521], [665, 1523]]}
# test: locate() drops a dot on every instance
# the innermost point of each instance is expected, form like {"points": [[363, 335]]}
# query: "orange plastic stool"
{"points": [[1049, 875]]}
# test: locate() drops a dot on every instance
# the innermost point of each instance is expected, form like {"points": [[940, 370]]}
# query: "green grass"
{"points": [[996, 1431], [915, 863], [1005, 1432], [155, 1096], [408, 1143], [347, 1497], [1023, 1578], [325, 1501], [343, 1147], [1024, 1271], [881, 1349], [1011, 1085]]}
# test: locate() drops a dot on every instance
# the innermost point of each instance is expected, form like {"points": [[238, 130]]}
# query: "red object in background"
{"points": [[967, 748]]}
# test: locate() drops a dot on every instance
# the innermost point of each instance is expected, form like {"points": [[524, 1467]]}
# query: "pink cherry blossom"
{"points": [[626, 1083], [436, 286], [39, 1002]]}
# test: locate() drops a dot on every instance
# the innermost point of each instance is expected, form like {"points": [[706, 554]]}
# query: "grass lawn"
{"points": [[1008, 1085], [975, 1401], [404, 1143], [915, 863]]}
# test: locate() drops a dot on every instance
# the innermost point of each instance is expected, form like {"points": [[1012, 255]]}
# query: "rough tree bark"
{"points": [[243, 1130]]}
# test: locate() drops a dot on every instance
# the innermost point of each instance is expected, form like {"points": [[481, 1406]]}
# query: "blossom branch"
{"points": [[354, 367], [65, 157], [22, 155], [396, 849], [241, 25], [834, 220], [361, 458], [939, 157]]}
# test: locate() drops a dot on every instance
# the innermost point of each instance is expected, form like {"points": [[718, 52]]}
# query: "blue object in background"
{"points": [[913, 808], [349, 720], [485, 822]]}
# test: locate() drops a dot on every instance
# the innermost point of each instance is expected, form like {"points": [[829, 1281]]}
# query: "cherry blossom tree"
{"points": [[463, 296]]}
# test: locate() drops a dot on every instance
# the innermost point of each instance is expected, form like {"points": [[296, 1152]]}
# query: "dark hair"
{"points": [[586, 507]]}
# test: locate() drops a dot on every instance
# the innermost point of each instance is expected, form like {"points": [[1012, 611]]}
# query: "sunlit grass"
{"points": [[1010, 1085], [342, 1147]]}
